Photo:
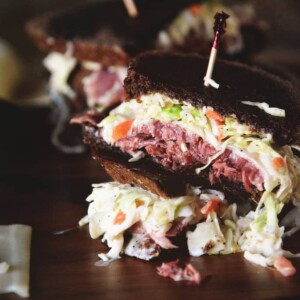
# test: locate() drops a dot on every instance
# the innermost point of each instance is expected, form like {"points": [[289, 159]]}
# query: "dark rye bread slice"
{"points": [[143, 173], [152, 176], [102, 31], [181, 76]]}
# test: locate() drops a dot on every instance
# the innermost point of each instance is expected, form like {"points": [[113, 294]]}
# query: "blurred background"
{"points": [[23, 79], [13, 16], [282, 51]]}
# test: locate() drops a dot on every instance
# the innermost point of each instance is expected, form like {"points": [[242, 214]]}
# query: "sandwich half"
{"points": [[239, 137], [91, 44], [173, 132]]}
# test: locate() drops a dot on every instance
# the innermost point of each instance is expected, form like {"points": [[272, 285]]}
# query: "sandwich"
{"points": [[218, 165], [90, 45], [192, 31]]}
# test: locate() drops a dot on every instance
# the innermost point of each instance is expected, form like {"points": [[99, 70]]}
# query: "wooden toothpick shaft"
{"points": [[131, 8], [219, 27], [210, 67]]}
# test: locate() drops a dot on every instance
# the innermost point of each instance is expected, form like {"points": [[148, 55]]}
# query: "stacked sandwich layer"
{"points": [[180, 142]]}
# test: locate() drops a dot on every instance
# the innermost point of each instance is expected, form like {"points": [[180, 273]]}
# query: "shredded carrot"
{"points": [[212, 114], [284, 266], [195, 9], [139, 203], [121, 130], [278, 163], [119, 218], [210, 206]]}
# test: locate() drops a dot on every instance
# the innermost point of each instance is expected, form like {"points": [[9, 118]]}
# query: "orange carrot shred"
{"points": [[210, 206], [121, 130], [278, 163], [212, 114], [119, 218], [139, 203], [220, 136], [195, 9]]}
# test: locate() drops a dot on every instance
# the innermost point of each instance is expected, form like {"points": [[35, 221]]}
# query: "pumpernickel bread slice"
{"points": [[180, 76]]}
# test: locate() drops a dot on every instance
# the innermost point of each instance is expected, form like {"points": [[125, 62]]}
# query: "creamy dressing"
{"points": [[154, 213], [257, 234]]}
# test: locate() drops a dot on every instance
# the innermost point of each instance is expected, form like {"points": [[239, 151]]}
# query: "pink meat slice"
{"points": [[103, 87], [162, 240], [175, 272], [178, 150]]}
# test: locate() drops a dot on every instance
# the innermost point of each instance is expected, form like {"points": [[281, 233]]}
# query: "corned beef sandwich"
{"points": [[229, 136], [90, 45], [174, 134]]}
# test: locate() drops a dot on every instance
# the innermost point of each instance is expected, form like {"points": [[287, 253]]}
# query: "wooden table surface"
{"points": [[46, 189]]}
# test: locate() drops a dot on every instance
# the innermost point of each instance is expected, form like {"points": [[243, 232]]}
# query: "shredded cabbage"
{"points": [[202, 24], [155, 213], [262, 237], [274, 111], [258, 233], [256, 147]]}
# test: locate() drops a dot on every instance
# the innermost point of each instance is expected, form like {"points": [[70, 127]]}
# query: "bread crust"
{"points": [[81, 49], [180, 76], [102, 31]]}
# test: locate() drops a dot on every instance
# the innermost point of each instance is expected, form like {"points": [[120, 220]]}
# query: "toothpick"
{"points": [[131, 8], [211, 63], [219, 27]]}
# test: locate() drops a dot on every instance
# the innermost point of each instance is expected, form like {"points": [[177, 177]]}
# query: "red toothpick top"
{"points": [[219, 28]]}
